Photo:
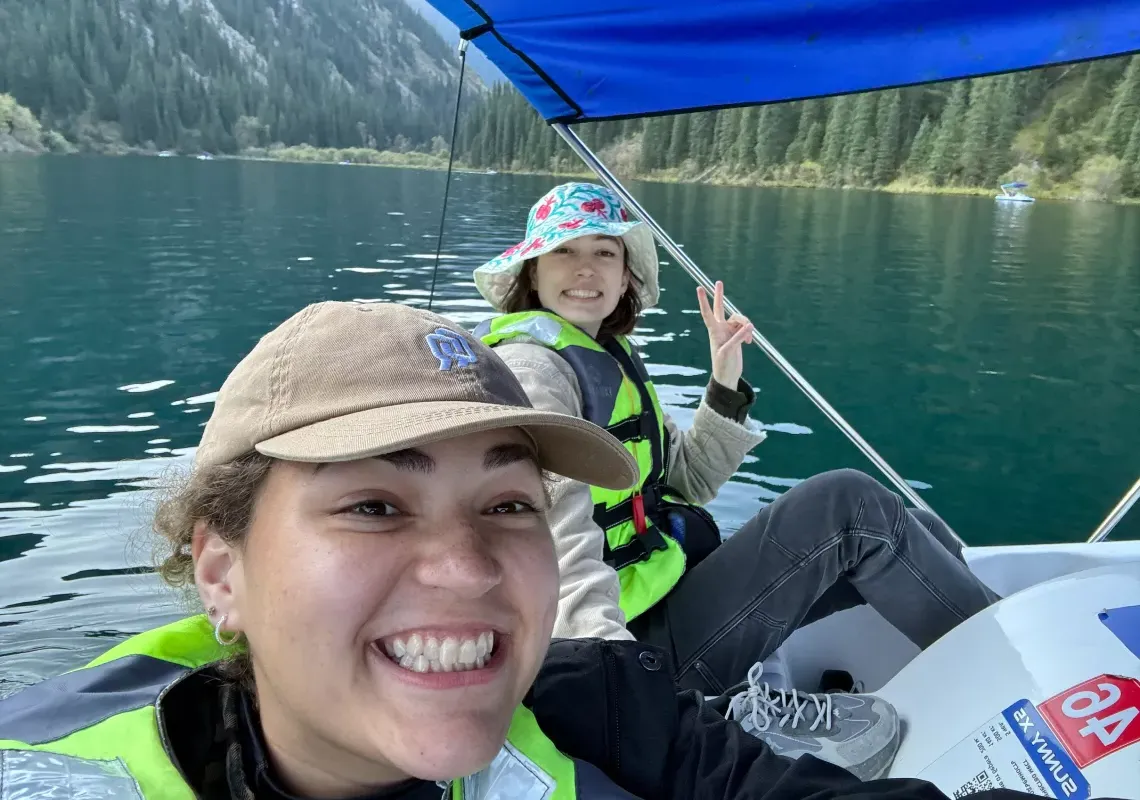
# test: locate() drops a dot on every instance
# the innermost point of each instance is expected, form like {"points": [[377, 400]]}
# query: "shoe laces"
{"points": [[763, 705]]}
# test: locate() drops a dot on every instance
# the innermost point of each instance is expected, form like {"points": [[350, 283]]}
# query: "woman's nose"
{"points": [[460, 562]]}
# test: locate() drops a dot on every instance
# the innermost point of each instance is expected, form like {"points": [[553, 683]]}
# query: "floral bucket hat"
{"points": [[567, 212]]}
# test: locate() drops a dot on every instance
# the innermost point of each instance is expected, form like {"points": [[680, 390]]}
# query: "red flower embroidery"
{"points": [[624, 215], [596, 206], [537, 243], [572, 224], [510, 251], [544, 209]]}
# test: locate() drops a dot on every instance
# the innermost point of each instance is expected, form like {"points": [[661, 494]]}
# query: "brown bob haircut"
{"points": [[522, 296]]}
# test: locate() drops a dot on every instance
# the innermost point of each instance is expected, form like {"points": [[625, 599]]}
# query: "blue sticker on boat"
{"points": [[1124, 624], [1048, 761]]}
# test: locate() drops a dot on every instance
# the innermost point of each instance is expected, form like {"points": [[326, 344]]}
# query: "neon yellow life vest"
{"points": [[616, 395], [95, 731]]}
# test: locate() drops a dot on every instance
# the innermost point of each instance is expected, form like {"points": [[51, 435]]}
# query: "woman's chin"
{"points": [[445, 756], [582, 317]]}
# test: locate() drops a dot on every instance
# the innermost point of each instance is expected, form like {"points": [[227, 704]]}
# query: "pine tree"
{"points": [[532, 150], [775, 130], [1125, 108], [945, 153], [765, 155], [1099, 77], [813, 145], [835, 138], [549, 149], [678, 140], [1130, 184], [725, 132], [1008, 103], [701, 138], [744, 155], [919, 160], [654, 144], [888, 131], [976, 155], [799, 149], [860, 162]]}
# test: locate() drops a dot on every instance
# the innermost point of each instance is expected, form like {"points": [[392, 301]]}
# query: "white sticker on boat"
{"points": [[1014, 750]]}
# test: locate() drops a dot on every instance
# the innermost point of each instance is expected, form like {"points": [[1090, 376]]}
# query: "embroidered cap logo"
{"points": [[450, 348]]}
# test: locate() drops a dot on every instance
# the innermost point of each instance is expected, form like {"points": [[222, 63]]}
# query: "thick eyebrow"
{"points": [[497, 457], [503, 455], [410, 460]]}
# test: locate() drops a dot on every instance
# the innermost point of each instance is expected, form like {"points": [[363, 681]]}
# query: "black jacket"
{"points": [[611, 704]]}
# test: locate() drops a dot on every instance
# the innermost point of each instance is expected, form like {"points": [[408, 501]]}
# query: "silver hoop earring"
{"points": [[224, 642]]}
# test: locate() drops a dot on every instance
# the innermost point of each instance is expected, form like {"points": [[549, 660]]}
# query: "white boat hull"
{"points": [[968, 696], [1008, 199]]}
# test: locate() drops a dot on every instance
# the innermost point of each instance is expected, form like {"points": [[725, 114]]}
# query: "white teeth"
{"points": [[429, 654], [448, 654]]}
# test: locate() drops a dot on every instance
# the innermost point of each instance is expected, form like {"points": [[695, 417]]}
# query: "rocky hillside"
{"points": [[220, 75]]}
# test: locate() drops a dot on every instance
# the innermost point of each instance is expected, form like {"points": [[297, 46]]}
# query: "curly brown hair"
{"points": [[224, 497], [523, 296]]}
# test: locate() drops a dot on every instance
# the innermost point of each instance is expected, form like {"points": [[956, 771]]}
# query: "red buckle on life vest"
{"points": [[639, 513]]}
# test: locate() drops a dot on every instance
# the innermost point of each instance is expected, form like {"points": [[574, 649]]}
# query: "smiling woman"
{"points": [[368, 589], [365, 528]]}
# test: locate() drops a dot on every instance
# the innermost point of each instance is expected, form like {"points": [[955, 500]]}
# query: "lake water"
{"points": [[990, 353]]}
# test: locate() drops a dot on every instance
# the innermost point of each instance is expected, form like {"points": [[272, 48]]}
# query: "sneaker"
{"points": [[859, 732]]}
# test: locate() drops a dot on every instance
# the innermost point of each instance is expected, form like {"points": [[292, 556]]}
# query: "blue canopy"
{"points": [[605, 59]]}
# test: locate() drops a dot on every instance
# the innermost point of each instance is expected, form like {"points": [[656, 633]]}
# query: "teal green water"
{"points": [[990, 353]]}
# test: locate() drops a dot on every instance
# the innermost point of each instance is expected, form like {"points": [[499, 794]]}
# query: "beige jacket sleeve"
{"points": [[701, 460]]}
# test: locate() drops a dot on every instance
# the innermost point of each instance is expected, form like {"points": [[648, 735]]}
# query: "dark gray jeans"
{"points": [[834, 541]]}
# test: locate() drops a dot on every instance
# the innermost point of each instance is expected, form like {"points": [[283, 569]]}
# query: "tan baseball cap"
{"points": [[340, 381]]}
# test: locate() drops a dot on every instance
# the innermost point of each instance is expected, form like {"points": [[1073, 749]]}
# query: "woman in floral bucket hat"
{"points": [[576, 211], [648, 563]]}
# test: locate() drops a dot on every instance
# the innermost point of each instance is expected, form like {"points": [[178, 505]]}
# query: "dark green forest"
{"points": [[224, 75], [1074, 128]]}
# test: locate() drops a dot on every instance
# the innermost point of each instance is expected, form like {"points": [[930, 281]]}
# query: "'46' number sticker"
{"points": [[1095, 718]]}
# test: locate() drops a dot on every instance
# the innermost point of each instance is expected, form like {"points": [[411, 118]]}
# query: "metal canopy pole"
{"points": [[1117, 514], [586, 154]]}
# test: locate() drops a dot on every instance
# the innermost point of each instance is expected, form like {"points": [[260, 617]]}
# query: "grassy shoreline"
{"points": [[437, 162]]}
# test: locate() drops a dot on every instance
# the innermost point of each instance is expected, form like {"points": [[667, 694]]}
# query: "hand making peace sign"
{"points": [[726, 337]]}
